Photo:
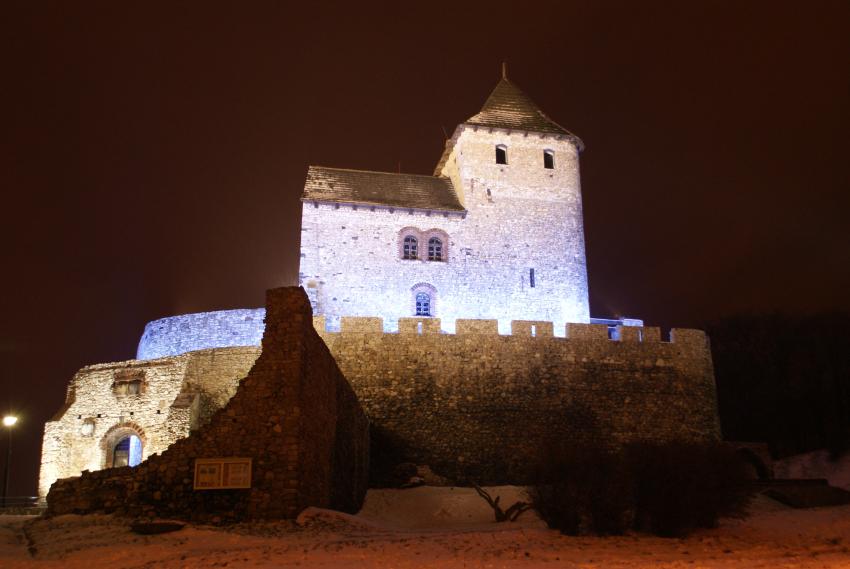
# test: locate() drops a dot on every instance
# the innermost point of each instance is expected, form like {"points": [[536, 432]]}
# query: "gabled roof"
{"points": [[508, 107], [380, 188]]}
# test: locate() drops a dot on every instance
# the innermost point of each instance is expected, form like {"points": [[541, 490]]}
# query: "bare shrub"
{"points": [[668, 489], [583, 489], [683, 486], [509, 515]]}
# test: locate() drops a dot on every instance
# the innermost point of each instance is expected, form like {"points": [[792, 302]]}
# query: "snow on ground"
{"points": [[816, 464], [440, 507], [429, 528]]}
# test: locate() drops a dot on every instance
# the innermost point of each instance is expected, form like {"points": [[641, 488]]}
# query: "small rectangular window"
{"points": [[501, 154], [128, 382], [531, 277], [533, 330], [549, 159]]}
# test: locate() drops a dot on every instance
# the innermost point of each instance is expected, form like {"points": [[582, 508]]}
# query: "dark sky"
{"points": [[153, 154]]}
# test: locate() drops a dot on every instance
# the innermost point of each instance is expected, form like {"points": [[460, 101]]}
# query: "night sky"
{"points": [[154, 154]]}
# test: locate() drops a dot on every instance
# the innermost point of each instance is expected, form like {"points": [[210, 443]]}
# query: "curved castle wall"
{"points": [[177, 335], [190, 332]]}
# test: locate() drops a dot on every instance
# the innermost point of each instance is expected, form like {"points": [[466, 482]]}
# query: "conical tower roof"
{"points": [[508, 107]]}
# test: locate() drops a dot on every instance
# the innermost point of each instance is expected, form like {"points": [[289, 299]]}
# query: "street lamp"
{"points": [[8, 422]]}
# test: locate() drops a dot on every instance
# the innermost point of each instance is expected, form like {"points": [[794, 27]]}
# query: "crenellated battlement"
{"points": [[449, 393], [519, 328], [454, 392]]}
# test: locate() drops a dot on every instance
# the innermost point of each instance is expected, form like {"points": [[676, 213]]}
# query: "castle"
{"points": [[455, 305]]}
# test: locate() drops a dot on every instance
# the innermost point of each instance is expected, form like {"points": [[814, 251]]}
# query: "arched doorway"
{"points": [[127, 451], [124, 445]]}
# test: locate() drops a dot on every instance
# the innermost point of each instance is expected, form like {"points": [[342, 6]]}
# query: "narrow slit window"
{"points": [[419, 327], [549, 159], [435, 249], [409, 249], [531, 277], [501, 154], [533, 330]]}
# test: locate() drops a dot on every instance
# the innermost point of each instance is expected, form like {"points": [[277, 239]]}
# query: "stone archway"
{"points": [[123, 445]]}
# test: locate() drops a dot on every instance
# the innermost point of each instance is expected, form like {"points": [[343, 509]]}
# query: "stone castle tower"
{"points": [[495, 233]]}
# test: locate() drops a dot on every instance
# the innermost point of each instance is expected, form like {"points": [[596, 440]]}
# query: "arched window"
{"points": [[423, 299], [127, 452], [501, 154], [549, 159], [435, 249], [409, 249], [423, 304]]}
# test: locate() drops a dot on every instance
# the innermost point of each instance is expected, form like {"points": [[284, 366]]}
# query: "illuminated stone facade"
{"points": [[514, 237], [177, 335], [175, 395]]}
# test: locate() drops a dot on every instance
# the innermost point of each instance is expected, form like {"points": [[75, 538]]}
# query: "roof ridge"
{"points": [[312, 166]]}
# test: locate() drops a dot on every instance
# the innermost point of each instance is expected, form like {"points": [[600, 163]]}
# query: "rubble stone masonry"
{"points": [[294, 415], [471, 405], [177, 395], [191, 332], [478, 406]]}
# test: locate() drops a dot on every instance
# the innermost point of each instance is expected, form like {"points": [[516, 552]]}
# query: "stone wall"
{"points": [[294, 415], [189, 332], [520, 216], [176, 395], [480, 406]]}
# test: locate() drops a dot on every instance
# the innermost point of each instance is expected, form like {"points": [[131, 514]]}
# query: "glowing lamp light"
{"points": [[9, 420]]}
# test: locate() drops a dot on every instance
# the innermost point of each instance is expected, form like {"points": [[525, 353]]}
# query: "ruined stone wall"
{"points": [[176, 395], [294, 416], [480, 406], [521, 216], [190, 332]]}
